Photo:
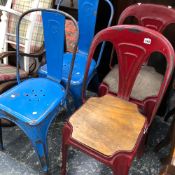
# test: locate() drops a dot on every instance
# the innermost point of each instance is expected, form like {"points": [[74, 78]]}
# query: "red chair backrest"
{"points": [[153, 16], [134, 45]]}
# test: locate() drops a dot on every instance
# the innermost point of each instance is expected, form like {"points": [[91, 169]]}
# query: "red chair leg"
{"points": [[65, 136], [121, 170], [64, 159], [121, 166], [103, 89], [141, 148]]}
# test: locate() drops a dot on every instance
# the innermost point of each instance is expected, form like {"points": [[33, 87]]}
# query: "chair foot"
{"points": [[42, 152], [63, 172]]}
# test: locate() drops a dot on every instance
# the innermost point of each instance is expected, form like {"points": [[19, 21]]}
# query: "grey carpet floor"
{"points": [[19, 158]]}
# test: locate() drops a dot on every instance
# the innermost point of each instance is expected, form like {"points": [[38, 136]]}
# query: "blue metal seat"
{"points": [[40, 95], [78, 70], [87, 14], [34, 103]]}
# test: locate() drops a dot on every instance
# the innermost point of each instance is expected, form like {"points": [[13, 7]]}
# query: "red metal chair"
{"points": [[100, 127], [153, 16]]}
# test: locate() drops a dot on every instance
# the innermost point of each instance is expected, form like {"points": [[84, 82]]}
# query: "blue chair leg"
{"points": [[37, 134], [38, 137], [1, 141], [41, 149], [76, 91]]}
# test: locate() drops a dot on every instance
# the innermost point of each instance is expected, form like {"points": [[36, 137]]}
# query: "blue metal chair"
{"points": [[87, 14], [34, 103]]}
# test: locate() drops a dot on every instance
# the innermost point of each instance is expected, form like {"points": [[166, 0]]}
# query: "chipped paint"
{"points": [[13, 96], [134, 30], [34, 113]]}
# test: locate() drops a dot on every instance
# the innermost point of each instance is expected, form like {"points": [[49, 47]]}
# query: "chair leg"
{"points": [[76, 94], [70, 105], [141, 148], [64, 158], [37, 134], [121, 165], [1, 140], [121, 170], [65, 136], [38, 137], [41, 149]]}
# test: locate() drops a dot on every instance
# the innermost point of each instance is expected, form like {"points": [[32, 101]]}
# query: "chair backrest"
{"points": [[153, 16], [134, 45], [36, 40], [87, 15], [31, 29], [54, 27]]}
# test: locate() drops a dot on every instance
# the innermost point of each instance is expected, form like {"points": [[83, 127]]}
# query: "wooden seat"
{"points": [[107, 115], [147, 77]]}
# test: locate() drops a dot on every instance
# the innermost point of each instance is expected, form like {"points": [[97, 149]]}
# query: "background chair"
{"points": [[34, 103], [156, 17], [87, 14], [113, 133], [31, 30]]}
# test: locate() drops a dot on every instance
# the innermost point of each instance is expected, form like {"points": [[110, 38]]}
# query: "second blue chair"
{"points": [[87, 14]]}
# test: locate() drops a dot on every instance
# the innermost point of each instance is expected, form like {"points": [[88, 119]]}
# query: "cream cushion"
{"points": [[147, 83]]}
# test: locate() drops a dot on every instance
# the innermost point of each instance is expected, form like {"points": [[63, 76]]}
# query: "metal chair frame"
{"points": [[40, 105]]}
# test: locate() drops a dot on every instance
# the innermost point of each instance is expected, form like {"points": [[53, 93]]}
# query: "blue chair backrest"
{"points": [[54, 24], [87, 14], [54, 29]]}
